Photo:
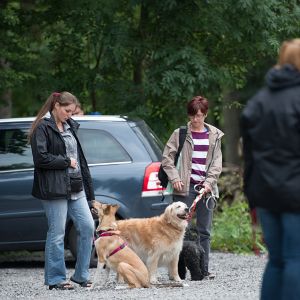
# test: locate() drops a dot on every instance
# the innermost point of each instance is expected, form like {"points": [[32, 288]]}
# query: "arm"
{"points": [[169, 156], [41, 156], [247, 151], [215, 167]]}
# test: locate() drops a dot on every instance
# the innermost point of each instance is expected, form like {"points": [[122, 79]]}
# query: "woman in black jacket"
{"points": [[63, 183], [271, 135]]}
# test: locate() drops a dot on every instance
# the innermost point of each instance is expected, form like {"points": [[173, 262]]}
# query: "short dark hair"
{"points": [[198, 102]]}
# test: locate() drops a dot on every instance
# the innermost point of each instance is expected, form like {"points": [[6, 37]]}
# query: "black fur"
{"points": [[191, 257]]}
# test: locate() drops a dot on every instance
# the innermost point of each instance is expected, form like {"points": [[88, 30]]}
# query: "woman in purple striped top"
{"points": [[200, 162]]}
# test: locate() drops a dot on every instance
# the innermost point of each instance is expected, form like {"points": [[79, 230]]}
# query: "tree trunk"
{"points": [[6, 97], [6, 105], [231, 115], [139, 57]]}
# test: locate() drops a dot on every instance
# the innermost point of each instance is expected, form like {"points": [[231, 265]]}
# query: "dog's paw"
{"points": [[121, 286], [175, 278], [153, 280]]}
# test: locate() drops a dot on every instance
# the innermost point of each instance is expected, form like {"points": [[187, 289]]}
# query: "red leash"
{"points": [[194, 204]]}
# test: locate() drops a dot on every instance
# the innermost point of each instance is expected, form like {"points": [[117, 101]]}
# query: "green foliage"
{"points": [[140, 58], [232, 228]]}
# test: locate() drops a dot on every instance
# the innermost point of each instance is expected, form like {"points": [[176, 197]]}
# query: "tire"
{"points": [[72, 242]]}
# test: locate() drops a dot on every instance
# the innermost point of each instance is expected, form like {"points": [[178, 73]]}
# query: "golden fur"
{"points": [[125, 262], [157, 240]]}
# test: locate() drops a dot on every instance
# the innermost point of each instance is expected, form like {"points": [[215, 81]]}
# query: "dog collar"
{"points": [[105, 233], [101, 233]]}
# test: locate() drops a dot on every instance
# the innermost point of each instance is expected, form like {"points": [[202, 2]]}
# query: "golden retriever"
{"points": [[158, 240], [113, 253]]}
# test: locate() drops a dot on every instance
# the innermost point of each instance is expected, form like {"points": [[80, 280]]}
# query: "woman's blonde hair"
{"points": [[290, 53], [63, 98]]}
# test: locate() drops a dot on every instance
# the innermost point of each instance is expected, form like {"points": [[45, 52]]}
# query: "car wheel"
{"points": [[72, 238]]}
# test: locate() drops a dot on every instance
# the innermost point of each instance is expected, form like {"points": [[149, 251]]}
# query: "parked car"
{"points": [[123, 155]]}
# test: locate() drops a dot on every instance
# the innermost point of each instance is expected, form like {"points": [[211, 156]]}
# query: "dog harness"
{"points": [[104, 233]]}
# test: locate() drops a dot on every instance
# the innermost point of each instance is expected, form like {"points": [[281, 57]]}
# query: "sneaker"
{"points": [[209, 276]]}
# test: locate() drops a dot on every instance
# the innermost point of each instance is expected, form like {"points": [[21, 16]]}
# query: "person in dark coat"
{"points": [[63, 183], [270, 125]]}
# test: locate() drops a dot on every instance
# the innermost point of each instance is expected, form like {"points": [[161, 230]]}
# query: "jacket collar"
{"points": [[51, 122], [213, 131]]}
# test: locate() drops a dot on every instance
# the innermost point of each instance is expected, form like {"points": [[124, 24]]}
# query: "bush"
{"points": [[232, 230]]}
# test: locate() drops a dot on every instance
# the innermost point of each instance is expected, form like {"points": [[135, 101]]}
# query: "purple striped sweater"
{"points": [[201, 144]]}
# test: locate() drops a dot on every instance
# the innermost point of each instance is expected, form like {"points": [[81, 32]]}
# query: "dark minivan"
{"points": [[123, 155]]}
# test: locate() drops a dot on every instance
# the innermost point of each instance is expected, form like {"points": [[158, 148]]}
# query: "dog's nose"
{"points": [[186, 209]]}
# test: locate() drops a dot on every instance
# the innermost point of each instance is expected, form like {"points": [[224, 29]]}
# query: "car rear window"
{"points": [[99, 146], [150, 140], [15, 153]]}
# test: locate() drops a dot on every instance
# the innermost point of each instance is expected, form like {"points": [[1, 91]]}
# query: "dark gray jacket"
{"points": [[51, 178], [270, 126]]}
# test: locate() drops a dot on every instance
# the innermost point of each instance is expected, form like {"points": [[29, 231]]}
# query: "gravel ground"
{"points": [[238, 278]]}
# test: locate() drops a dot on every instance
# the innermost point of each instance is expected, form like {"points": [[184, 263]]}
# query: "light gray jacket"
{"points": [[213, 160]]}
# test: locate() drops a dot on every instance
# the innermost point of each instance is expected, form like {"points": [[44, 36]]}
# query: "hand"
{"points": [[73, 163], [207, 188], [178, 185]]}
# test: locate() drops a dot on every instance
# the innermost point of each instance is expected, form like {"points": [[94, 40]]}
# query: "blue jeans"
{"points": [[281, 231], [203, 222], [57, 212]]}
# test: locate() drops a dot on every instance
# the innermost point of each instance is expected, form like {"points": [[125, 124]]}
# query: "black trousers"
{"points": [[203, 221]]}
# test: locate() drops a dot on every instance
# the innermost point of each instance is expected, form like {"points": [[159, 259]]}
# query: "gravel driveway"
{"points": [[238, 278]]}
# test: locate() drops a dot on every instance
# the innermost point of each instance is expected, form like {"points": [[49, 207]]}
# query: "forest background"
{"points": [[144, 58]]}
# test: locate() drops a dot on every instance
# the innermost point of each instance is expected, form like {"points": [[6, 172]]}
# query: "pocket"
{"points": [[76, 182]]}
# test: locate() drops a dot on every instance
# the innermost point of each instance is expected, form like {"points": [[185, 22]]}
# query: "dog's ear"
{"points": [[168, 213], [106, 208], [114, 208]]}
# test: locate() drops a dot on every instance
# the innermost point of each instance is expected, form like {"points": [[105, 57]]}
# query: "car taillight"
{"points": [[151, 185]]}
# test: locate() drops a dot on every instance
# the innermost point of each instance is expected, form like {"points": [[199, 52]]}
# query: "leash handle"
{"points": [[214, 201]]}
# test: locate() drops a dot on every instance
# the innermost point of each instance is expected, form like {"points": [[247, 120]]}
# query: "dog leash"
{"points": [[193, 206], [201, 191]]}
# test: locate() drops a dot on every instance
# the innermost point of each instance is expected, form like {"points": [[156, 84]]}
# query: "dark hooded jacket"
{"points": [[270, 126], [51, 177]]}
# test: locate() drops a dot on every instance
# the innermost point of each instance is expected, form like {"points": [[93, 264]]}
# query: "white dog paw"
{"points": [[175, 278], [121, 287], [154, 280]]}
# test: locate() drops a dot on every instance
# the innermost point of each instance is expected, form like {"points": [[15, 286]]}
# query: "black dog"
{"points": [[191, 257]]}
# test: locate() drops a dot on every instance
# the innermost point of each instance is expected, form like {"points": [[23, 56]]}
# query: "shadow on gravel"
{"points": [[26, 259], [29, 264]]}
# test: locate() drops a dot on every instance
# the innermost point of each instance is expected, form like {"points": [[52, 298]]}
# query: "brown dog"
{"points": [[157, 240], [113, 253]]}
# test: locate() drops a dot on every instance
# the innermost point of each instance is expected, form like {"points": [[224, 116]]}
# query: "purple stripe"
{"points": [[200, 135], [201, 148], [200, 161], [194, 181], [198, 172]]}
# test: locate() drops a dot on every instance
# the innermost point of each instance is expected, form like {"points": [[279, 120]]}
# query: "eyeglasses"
{"points": [[197, 116]]}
